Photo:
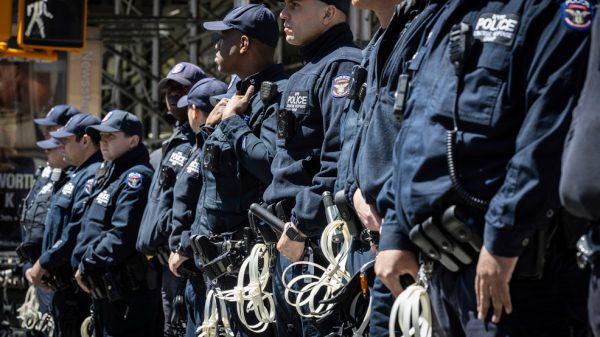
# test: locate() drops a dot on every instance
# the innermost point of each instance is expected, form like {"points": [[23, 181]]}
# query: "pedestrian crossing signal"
{"points": [[57, 25]]}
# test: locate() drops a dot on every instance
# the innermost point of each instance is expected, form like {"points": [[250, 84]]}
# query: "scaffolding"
{"points": [[143, 39]]}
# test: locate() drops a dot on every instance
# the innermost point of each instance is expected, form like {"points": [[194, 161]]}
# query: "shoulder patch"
{"points": [[340, 86], [88, 186], [178, 158], [499, 28], [134, 180], [68, 189], [577, 14]]}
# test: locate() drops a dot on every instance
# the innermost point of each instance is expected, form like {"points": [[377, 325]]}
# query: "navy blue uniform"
{"points": [[521, 81], [154, 229], [33, 216], [305, 164], [186, 193], [107, 243], [238, 174], [579, 189], [69, 305]]}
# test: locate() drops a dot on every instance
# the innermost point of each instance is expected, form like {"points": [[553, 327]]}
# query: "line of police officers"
{"points": [[445, 135]]}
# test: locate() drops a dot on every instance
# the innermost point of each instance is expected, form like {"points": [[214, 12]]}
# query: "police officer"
{"points": [[379, 83], [185, 199], [478, 156], [308, 134], [69, 304], [124, 286], [35, 205], [578, 183], [237, 154], [154, 231]]}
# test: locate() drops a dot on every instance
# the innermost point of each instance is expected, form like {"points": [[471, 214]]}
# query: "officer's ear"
{"points": [[244, 44], [134, 141], [329, 15]]}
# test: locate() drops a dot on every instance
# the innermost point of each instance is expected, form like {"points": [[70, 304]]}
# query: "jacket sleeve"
{"points": [[117, 243], [309, 213], [185, 198], [580, 179], [553, 63], [254, 153]]}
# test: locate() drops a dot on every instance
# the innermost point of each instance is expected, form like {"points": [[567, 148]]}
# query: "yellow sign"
{"points": [[5, 20], [52, 24]]}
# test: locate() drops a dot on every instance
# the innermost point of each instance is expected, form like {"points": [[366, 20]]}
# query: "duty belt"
{"points": [[61, 278], [115, 283]]}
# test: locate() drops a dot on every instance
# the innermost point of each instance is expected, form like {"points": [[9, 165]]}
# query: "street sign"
{"points": [[5, 20], [52, 24]]}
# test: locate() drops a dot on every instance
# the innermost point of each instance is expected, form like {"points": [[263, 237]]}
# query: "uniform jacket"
{"points": [[522, 79], [305, 164]]}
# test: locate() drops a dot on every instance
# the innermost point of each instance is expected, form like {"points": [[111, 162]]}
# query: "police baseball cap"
{"points": [[76, 126], [49, 144], [115, 121], [58, 115], [201, 92], [343, 5], [255, 20], [183, 73]]}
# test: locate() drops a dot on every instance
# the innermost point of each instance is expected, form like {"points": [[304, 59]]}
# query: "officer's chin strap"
{"points": [[412, 309], [30, 316], [314, 289], [260, 302]]}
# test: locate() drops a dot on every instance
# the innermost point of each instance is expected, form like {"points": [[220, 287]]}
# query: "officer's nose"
{"points": [[284, 13]]}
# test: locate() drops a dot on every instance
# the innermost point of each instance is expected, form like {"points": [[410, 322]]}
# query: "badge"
{"points": [[496, 28], [88, 186], [297, 101], [107, 116], [177, 68], [134, 180], [577, 14], [103, 198], [341, 86], [178, 158], [68, 189]]}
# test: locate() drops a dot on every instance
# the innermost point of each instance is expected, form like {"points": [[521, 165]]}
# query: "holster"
{"points": [[219, 256], [61, 278]]}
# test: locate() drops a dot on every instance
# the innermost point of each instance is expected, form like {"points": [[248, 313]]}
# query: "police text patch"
{"points": [[193, 168], [46, 189], [297, 101], [103, 198], [178, 158], [577, 14], [134, 180], [496, 28], [68, 189], [340, 86]]}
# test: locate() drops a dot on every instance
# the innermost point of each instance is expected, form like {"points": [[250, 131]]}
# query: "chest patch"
{"points": [[178, 158], [340, 86], [67, 190], [496, 28], [577, 14], [46, 189], [297, 101], [103, 198], [193, 168], [88, 186], [134, 180]]}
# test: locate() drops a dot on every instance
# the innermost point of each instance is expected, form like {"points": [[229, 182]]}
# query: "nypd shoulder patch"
{"points": [[134, 180], [340, 86], [88, 186], [577, 14]]}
